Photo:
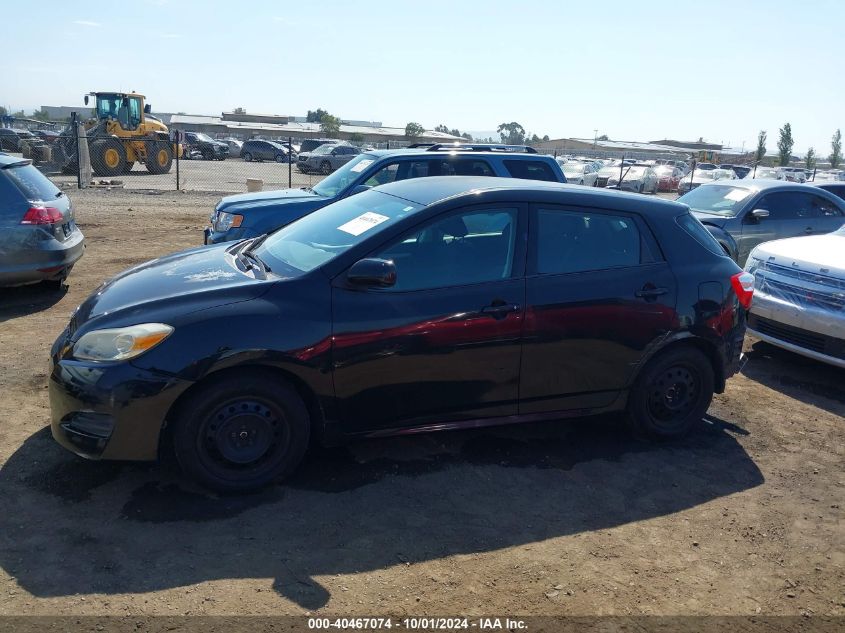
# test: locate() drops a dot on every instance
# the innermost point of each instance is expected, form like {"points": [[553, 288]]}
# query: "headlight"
{"points": [[224, 221], [753, 263], [120, 343]]}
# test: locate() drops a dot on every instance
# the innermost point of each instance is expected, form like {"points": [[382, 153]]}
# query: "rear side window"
{"points": [[696, 229], [32, 183], [824, 208], [573, 241], [530, 170]]}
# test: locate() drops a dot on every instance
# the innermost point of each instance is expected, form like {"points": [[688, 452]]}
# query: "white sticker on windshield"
{"points": [[362, 223], [359, 167], [737, 194]]}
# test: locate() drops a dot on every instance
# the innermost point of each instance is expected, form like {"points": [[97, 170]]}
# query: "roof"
{"points": [[427, 191], [297, 127]]}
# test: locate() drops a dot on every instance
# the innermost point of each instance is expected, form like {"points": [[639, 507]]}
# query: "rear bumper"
{"points": [[40, 260]]}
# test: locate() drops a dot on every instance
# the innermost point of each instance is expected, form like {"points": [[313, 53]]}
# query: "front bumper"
{"points": [[804, 329], [109, 410]]}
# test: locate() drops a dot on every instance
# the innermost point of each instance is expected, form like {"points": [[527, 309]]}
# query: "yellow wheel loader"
{"points": [[122, 133]]}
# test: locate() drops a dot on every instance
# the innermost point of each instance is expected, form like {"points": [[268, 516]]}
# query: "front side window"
{"points": [[787, 205], [575, 241], [465, 248], [530, 170]]}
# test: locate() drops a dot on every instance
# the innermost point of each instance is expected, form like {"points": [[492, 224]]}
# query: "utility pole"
{"points": [[595, 138]]}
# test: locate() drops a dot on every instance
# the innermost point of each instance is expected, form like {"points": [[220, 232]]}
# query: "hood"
{"points": [[267, 198], [814, 253], [178, 284]]}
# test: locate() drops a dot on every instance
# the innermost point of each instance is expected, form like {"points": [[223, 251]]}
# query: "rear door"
{"points": [[598, 294], [443, 344]]}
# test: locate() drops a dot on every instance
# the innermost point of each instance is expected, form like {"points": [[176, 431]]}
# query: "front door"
{"points": [[443, 344], [597, 296], [791, 214]]}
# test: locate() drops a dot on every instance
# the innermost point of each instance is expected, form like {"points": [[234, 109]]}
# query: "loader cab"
{"points": [[126, 109]]}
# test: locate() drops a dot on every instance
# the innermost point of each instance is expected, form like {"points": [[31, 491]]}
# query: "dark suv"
{"points": [[259, 150], [203, 146], [426, 304], [251, 214]]}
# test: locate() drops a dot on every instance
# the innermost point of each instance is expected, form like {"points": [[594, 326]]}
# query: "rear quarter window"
{"points": [[531, 170], [699, 233], [32, 183]]}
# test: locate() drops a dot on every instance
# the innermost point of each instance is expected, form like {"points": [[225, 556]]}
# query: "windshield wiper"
{"points": [[248, 253]]}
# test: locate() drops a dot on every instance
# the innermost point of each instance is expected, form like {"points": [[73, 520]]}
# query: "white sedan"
{"points": [[580, 174]]}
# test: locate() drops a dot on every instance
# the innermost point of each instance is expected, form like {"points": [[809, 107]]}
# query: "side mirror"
{"points": [[147, 108], [86, 99], [359, 189], [759, 214], [372, 272]]}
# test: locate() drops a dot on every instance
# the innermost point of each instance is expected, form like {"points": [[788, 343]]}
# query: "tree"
{"points": [[240, 111], [512, 133], [316, 116], [329, 125], [467, 136], [761, 146], [785, 144], [414, 130], [545, 137], [3, 111], [836, 147], [811, 159], [442, 128], [41, 115], [603, 137], [535, 138]]}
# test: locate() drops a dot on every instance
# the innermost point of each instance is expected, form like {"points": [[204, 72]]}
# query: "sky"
{"points": [[637, 71]]}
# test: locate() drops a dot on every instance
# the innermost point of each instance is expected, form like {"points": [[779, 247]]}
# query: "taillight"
{"points": [[743, 285], [42, 215]]}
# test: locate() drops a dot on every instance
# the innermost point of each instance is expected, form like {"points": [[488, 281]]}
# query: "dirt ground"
{"points": [[574, 517]]}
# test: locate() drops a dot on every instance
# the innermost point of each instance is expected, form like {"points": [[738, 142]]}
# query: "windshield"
{"points": [[324, 149], [635, 172], [766, 173], [718, 199], [334, 183], [204, 137], [331, 231], [574, 168], [108, 106]]}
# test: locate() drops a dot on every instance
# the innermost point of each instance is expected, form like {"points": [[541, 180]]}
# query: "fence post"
{"points": [[177, 147], [290, 162], [76, 150]]}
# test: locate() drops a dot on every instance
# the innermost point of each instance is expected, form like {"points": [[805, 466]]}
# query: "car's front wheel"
{"points": [[239, 433], [247, 157], [326, 167], [672, 393]]}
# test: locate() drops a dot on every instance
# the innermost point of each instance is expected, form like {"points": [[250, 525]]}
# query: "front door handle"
{"points": [[808, 230], [650, 292], [499, 310]]}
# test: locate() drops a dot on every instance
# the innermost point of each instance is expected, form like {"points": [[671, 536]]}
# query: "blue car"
{"points": [[253, 214]]}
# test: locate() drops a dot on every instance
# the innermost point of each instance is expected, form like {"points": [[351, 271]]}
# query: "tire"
{"points": [[241, 432], [325, 168], [159, 156], [281, 158], [207, 154], [671, 394], [247, 157], [107, 157]]}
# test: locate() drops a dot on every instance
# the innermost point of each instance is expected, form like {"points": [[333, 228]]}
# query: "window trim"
{"points": [[647, 239], [519, 256]]}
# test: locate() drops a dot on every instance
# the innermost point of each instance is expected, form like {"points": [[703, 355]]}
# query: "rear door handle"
{"points": [[651, 293], [500, 310]]}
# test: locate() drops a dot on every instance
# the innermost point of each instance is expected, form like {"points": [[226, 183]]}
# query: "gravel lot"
{"points": [[575, 517]]}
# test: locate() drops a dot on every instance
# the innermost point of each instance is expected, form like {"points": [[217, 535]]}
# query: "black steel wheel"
{"points": [[325, 167], [672, 393], [241, 432]]}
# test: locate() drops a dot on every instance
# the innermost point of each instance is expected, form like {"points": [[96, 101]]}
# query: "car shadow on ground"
{"points": [[23, 300], [797, 376], [75, 527]]}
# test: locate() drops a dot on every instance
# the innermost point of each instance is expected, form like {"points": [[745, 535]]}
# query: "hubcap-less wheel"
{"points": [[673, 394], [111, 158], [243, 434], [326, 167], [247, 157]]}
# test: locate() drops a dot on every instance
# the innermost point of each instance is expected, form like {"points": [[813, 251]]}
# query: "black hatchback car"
{"points": [[427, 304]]}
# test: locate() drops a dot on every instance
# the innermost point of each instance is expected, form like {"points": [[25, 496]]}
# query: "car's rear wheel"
{"points": [[241, 432], [247, 157], [281, 158], [672, 393], [325, 167]]}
